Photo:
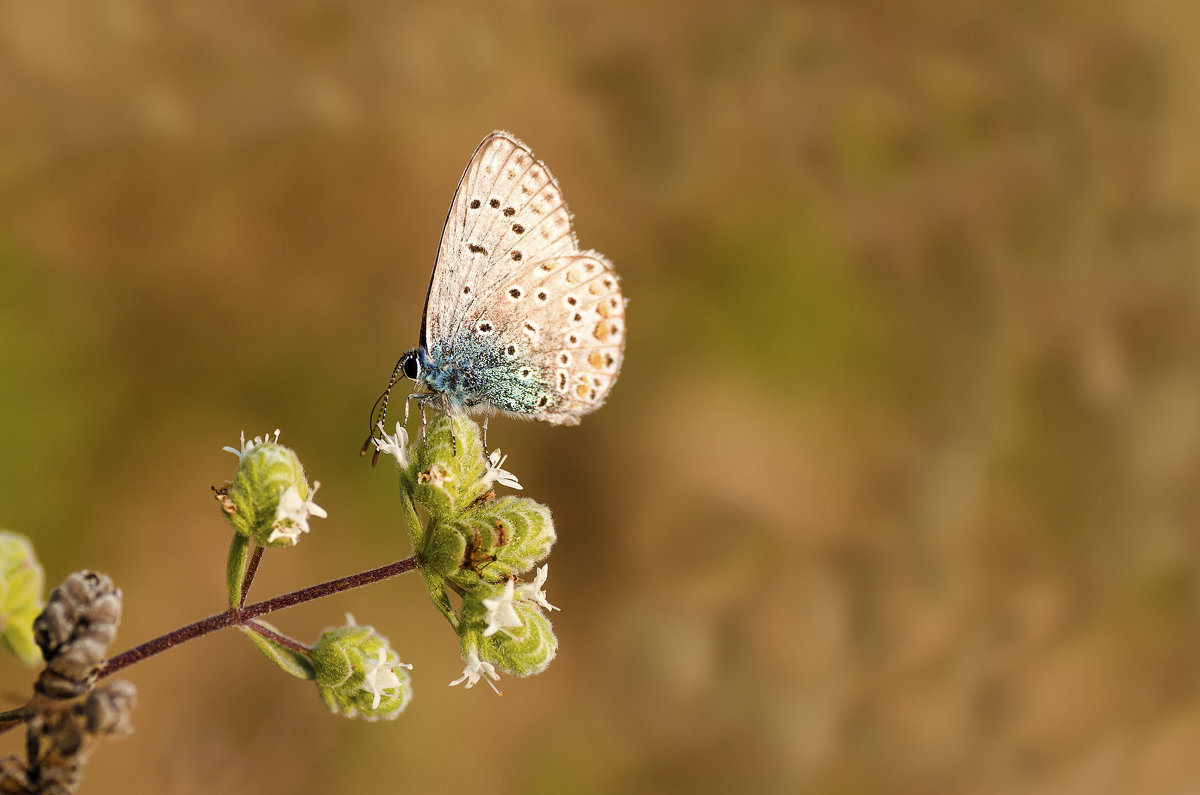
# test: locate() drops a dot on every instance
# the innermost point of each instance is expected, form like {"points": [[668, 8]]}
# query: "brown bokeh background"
{"points": [[897, 491]]}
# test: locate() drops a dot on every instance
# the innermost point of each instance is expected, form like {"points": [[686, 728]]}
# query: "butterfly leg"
{"points": [[446, 410], [421, 398], [414, 396], [486, 416]]}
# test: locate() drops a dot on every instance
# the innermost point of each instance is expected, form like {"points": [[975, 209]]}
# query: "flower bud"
{"points": [[269, 500], [358, 674], [446, 470], [475, 545], [508, 629], [504, 538]]}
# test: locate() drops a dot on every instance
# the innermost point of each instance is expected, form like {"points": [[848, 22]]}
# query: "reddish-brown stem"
{"points": [[236, 617], [243, 615], [255, 557], [276, 638]]}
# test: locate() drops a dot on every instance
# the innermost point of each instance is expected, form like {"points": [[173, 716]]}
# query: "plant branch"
{"points": [[231, 618], [251, 569], [275, 637]]}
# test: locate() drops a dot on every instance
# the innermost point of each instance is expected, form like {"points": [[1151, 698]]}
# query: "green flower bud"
{"points": [[475, 545], [269, 500], [358, 674], [21, 585], [503, 538], [470, 534], [445, 470], [507, 628]]}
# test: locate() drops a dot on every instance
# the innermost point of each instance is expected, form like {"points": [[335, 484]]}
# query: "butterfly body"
{"points": [[517, 319], [475, 377]]}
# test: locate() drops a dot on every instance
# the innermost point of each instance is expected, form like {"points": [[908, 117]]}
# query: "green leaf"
{"points": [[235, 567], [437, 592], [294, 662], [21, 584], [18, 636], [416, 531]]}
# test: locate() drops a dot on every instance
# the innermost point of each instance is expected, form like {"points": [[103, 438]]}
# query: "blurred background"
{"points": [[897, 491]]}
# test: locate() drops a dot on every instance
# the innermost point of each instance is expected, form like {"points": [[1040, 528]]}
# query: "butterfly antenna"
{"points": [[379, 414]]}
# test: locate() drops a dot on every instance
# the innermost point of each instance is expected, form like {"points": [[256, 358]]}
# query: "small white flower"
{"points": [[500, 612], [291, 517], [495, 474], [395, 446], [533, 591], [250, 445], [476, 668], [380, 676]]}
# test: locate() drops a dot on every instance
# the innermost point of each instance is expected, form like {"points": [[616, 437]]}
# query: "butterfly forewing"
{"points": [[507, 212]]}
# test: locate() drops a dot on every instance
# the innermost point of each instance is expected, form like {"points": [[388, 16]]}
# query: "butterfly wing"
{"points": [[506, 211], [519, 318], [548, 343], [569, 312]]}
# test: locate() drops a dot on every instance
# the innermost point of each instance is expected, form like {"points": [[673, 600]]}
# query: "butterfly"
{"points": [[518, 320]]}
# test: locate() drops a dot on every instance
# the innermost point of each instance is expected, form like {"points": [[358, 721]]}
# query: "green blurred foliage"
{"points": [[896, 492]]}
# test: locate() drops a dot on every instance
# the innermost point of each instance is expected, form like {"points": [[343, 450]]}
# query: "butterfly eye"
{"points": [[411, 366]]}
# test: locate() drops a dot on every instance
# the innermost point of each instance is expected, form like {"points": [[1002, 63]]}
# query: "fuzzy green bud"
{"points": [[444, 474], [502, 538], [507, 628], [476, 545], [21, 584], [470, 535], [358, 674], [269, 500]]}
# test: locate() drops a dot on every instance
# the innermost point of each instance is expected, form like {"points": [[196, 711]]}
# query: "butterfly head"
{"points": [[410, 364]]}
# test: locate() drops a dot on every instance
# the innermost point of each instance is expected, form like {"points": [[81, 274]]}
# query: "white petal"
{"points": [[534, 591], [501, 614]]}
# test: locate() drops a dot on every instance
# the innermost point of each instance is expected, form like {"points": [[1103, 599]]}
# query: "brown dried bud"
{"points": [[74, 632], [109, 708], [66, 716]]}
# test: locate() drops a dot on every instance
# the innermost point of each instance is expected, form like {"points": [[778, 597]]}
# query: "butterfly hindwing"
{"points": [[551, 338]]}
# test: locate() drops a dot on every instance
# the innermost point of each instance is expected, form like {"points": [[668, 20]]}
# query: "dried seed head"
{"points": [[74, 632], [109, 709]]}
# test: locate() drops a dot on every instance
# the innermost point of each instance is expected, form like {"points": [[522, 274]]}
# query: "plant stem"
{"points": [[275, 637], [251, 569], [13, 718], [237, 617]]}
